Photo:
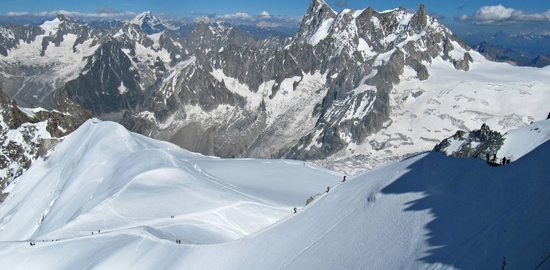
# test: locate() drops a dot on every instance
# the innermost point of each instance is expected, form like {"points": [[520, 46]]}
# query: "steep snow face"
{"points": [[426, 212], [101, 177], [425, 112], [518, 142]]}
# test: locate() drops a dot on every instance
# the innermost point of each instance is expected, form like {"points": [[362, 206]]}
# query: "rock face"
{"points": [[482, 143], [217, 90], [26, 134], [304, 98]]}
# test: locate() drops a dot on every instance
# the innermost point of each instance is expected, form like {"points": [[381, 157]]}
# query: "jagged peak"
{"points": [[319, 8], [419, 20], [140, 18], [148, 22], [318, 4], [62, 17]]}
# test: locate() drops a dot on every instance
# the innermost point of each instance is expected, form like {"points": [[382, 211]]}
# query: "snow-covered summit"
{"points": [[149, 23], [104, 177]]}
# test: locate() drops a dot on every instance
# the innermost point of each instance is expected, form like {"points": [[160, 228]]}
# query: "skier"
{"points": [[295, 210], [504, 161], [344, 179], [328, 189]]}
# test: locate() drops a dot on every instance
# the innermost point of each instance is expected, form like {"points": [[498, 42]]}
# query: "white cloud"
{"points": [[500, 14], [15, 14], [265, 15], [73, 14], [491, 14], [238, 16]]}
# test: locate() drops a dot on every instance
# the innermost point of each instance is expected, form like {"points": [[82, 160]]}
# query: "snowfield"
{"points": [[426, 212], [425, 112]]}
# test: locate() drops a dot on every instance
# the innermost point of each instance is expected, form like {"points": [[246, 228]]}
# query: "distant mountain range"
{"points": [[355, 85], [518, 49]]}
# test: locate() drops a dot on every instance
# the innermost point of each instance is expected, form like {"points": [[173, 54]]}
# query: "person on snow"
{"points": [[295, 210], [328, 189], [344, 179]]}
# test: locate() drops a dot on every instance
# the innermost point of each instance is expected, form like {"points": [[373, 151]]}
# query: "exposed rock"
{"points": [[482, 143]]}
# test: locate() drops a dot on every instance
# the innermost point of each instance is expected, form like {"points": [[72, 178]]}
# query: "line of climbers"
{"points": [[295, 210], [495, 162]]}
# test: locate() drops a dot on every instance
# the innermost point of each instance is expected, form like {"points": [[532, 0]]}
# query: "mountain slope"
{"points": [[103, 177], [426, 212]]}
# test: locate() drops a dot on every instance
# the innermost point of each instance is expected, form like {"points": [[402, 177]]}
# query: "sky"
{"points": [[459, 15]]}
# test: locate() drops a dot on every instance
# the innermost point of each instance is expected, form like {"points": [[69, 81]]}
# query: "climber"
{"points": [[295, 210], [328, 189], [344, 179], [504, 161]]}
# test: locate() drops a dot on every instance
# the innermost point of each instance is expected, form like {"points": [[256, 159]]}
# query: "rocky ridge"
{"points": [[27, 134], [217, 90]]}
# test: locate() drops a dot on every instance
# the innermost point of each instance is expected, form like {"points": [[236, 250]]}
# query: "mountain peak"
{"points": [[319, 7], [62, 17], [317, 14], [419, 20], [148, 22]]}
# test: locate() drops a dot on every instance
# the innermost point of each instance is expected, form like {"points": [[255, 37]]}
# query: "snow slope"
{"points": [[101, 177], [518, 142], [426, 212]]}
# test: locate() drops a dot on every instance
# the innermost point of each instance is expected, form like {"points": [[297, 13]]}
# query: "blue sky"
{"points": [[463, 15]]}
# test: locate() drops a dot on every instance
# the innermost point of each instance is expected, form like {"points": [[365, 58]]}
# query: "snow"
{"points": [[233, 85], [364, 47], [454, 145], [518, 142], [457, 53], [156, 40], [122, 89], [51, 27], [58, 65], [142, 182], [322, 32], [425, 112], [296, 104], [31, 112], [383, 58], [426, 212]]}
